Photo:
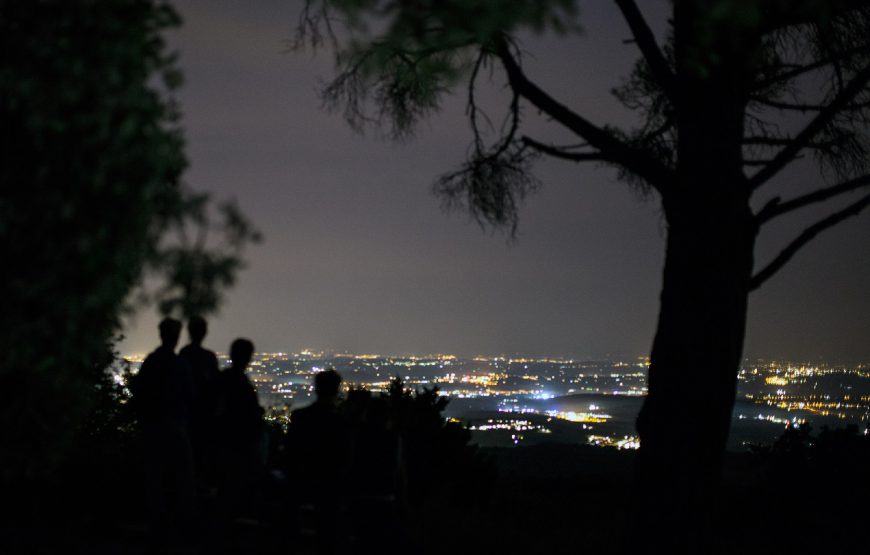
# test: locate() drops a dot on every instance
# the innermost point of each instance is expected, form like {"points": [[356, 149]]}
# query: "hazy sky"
{"points": [[360, 256]]}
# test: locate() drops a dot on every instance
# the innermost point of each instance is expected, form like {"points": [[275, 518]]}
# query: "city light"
{"points": [[558, 399]]}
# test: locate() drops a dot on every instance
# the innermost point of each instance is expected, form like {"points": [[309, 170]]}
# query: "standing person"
{"points": [[203, 365], [318, 439], [163, 395], [375, 477], [240, 420]]}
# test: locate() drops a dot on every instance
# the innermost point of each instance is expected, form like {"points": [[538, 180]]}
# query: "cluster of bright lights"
{"points": [[627, 442], [794, 421], [511, 425], [542, 396], [572, 416]]}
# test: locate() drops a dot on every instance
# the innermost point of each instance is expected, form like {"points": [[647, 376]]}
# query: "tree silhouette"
{"points": [[196, 271], [90, 181], [714, 101]]}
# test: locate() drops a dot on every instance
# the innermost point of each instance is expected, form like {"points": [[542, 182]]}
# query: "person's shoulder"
{"points": [[199, 353], [303, 414], [153, 366], [230, 379], [192, 352], [153, 357]]}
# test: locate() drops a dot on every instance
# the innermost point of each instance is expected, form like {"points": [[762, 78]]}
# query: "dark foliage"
{"points": [[806, 493], [101, 475], [196, 271], [92, 156], [396, 61], [90, 184], [439, 458], [838, 454]]}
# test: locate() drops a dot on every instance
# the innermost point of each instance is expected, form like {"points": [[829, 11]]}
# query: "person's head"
{"points": [[196, 329], [326, 385], [241, 352], [170, 329]]}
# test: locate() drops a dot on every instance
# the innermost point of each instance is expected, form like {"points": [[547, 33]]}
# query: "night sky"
{"points": [[360, 256]]}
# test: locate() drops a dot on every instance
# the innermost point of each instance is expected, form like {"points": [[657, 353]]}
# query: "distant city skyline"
{"points": [[360, 257], [512, 401]]}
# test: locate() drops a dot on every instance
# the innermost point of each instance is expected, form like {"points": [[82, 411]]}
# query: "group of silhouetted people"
{"points": [[202, 431], [205, 448], [347, 455]]}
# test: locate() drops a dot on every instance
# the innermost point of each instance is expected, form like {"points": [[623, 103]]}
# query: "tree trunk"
{"points": [[696, 354], [685, 419]]}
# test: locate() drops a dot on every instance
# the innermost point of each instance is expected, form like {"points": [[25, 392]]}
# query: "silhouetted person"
{"points": [[163, 394], [319, 445], [375, 477], [203, 365], [240, 421]]}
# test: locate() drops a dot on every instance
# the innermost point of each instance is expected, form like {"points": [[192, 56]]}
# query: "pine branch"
{"points": [[632, 159], [756, 163], [818, 123], [794, 72], [646, 42], [776, 14], [774, 209], [784, 141], [805, 107], [805, 237], [563, 153]]}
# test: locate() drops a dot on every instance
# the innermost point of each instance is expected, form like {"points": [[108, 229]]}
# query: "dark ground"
{"points": [[541, 499]]}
